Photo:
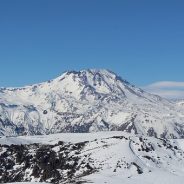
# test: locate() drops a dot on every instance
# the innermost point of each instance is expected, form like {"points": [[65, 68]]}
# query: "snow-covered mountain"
{"points": [[87, 101], [104, 157]]}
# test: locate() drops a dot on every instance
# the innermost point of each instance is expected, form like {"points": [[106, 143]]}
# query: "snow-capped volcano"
{"points": [[87, 101]]}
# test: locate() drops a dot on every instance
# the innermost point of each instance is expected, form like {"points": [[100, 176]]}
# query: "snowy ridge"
{"points": [[104, 157], [87, 101]]}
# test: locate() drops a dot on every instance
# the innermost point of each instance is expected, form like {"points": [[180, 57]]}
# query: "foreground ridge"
{"points": [[114, 157]]}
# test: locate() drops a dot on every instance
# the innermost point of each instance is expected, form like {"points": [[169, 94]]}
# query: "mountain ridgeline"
{"points": [[88, 101]]}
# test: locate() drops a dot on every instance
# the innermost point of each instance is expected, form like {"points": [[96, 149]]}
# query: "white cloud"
{"points": [[166, 89], [167, 84]]}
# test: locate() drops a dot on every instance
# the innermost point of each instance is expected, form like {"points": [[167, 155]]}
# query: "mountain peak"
{"points": [[85, 101], [91, 72], [101, 81]]}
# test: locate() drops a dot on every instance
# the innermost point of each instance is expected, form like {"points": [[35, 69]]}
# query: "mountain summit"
{"points": [[87, 101]]}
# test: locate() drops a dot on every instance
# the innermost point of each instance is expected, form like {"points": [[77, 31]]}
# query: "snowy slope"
{"points": [[115, 157], [87, 101], [26, 183]]}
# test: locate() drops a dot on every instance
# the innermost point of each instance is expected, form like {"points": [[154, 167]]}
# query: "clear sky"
{"points": [[141, 40]]}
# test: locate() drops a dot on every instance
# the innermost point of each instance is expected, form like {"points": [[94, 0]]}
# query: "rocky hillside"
{"points": [[87, 101], [114, 157]]}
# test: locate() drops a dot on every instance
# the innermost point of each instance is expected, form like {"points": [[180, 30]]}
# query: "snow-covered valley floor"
{"points": [[104, 157]]}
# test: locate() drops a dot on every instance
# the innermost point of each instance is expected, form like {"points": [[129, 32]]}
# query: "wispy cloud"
{"points": [[166, 89]]}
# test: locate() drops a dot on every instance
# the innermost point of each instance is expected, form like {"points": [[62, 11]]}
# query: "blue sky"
{"points": [[143, 41]]}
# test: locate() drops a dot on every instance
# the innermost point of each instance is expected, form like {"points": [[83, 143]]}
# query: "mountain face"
{"points": [[87, 101]]}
